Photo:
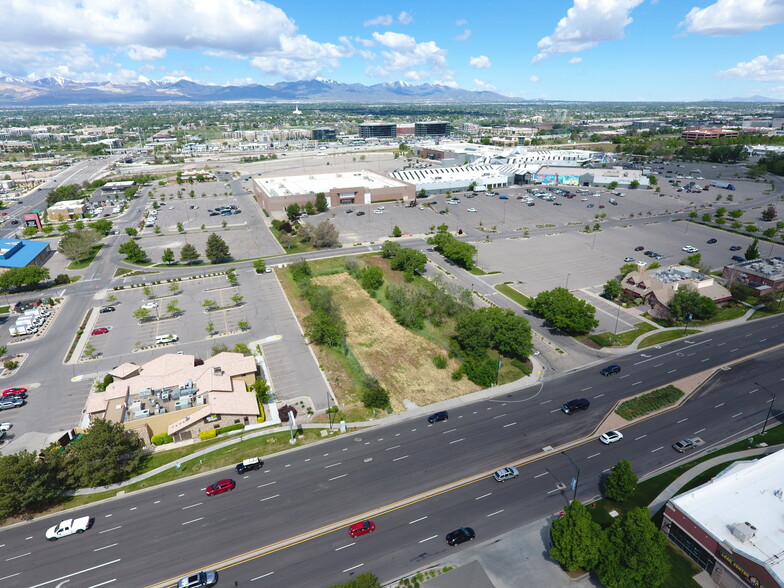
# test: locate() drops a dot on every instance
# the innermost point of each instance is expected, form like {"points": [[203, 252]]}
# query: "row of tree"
{"points": [[458, 252], [217, 251], [22, 277]]}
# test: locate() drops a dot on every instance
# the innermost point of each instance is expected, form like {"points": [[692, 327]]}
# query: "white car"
{"points": [[5, 426], [150, 305], [611, 437], [378, 212], [641, 263], [689, 249], [380, 208], [628, 259], [69, 527], [472, 210]]}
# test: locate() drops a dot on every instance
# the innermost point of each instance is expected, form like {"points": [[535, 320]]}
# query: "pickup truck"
{"points": [[69, 527], [252, 463]]}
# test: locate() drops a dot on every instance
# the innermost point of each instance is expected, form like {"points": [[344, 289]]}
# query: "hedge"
{"points": [[161, 439], [204, 435], [237, 427]]}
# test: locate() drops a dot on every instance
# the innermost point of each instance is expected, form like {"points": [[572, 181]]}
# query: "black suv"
{"points": [[611, 369], [439, 416], [460, 535], [253, 463], [574, 405]]}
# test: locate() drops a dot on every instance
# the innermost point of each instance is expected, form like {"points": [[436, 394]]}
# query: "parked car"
{"points": [[11, 402], [199, 580], [639, 248], [471, 210], [611, 369], [736, 248], [628, 259], [13, 391], [5, 427], [711, 241], [505, 474], [360, 213], [689, 249], [610, 437], [738, 258], [100, 331], [150, 305], [438, 417], [576, 405], [361, 528], [107, 309], [349, 211], [683, 445], [221, 486], [460, 535]]}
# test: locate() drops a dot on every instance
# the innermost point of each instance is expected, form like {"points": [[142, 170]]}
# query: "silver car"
{"points": [[505, 474], [199, 580]]}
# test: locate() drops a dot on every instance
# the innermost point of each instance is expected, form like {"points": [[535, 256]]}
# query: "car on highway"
{"points": [[69, 527], [252, 463], [221, 486], [438, 417], [683, 445], [639, 248], [576, 405], [505, 474], [611, 369], [361, 528], [106, 309], [610, 437], [149, 305], [711, 241], [100, 331], [460, 535], [736, 248], [13, 391], [199, 580]]}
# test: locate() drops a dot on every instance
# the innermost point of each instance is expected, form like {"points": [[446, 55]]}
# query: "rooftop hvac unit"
{"points": [[145, 392], [165, 395], [217, 371], [182, 403], [200, 400], [140, 414], [744, 532], [161, 410], [136, 405]]}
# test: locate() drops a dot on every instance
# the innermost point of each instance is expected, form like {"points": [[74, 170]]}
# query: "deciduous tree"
{"points": [[576, 538], [565, 311], [621, 484]]}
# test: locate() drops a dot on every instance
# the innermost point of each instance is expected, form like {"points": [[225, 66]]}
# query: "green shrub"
{"points": [[649, 402], [457, 374], [161, 439], [439, 361], [228, 428], [204, 435]]}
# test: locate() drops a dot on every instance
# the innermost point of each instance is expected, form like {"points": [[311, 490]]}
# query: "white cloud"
{"points": [[146, 29], [481, 62], [480, 85], [760, 69], [240, 82], [447, 83], [461, 22], [404, 53], [733, 17], [464, 35], [534, 79], [586, 24], [405, 18], [384, 20], [575, 60], [139, 53], [301, 58], [417, 76]]}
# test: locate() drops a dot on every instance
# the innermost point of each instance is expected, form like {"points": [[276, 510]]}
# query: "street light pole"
{"points": [[576, 479]]}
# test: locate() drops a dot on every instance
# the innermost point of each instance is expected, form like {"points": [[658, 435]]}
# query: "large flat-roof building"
{"points": [[433, 128], [731, 526], [764, 275], [323, 134], [377, 130], [16, 253], [434, 180], [347, 188], [66, 210]]}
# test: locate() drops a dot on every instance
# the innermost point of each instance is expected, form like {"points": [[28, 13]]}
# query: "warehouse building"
{"points": [[16, 253], [345, 188], [437, 180], [731, 526]]}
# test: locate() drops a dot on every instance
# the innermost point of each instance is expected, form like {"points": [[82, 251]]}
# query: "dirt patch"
{"points": [[400, 360]]}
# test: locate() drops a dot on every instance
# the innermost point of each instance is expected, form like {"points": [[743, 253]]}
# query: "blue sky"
{"points": [[566, 50]]}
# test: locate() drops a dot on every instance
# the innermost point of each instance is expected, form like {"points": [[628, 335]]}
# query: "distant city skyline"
{"points": [[594, 50]]}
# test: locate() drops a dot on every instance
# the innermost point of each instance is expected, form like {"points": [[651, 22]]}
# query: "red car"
{"points": [[220, 487], [12, 391], [100, 331], [361, 528]]}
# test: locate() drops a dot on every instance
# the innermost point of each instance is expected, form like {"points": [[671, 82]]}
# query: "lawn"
{"points": [[665, 336], [510, 292], [85, 261], [622, 339]]}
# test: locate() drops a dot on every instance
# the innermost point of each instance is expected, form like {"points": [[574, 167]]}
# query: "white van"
{"points": [[167, 338]]}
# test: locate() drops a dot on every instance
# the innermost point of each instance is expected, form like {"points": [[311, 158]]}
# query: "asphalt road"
{"points": [[167, 531]]}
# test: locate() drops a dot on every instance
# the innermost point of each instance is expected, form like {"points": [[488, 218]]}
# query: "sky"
{"points": [[594, 50]]}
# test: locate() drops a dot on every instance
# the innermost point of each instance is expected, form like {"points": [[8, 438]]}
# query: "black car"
{"points": [[650, 253], [360, 213], [438, 417], [711, 241], [611, 369], [252, 463], [349, 211], [574, 405], [107, 309], [736, 248], [460, 535], [737, 258]]}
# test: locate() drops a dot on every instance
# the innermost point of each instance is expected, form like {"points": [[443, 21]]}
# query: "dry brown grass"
{"points": [[400, 360]]}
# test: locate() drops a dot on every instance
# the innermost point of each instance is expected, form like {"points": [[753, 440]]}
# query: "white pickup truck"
{"points": [[69, 527]]}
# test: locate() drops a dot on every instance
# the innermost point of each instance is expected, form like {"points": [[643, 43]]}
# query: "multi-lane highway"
{"points": [[149, 537]]}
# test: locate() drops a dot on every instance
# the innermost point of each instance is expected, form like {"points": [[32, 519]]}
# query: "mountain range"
{"points": [[60, 91]]}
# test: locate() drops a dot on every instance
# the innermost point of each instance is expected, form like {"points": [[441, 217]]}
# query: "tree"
{"points": [[180, 228], [320, 327], [66, 192], [621, 484], [29, 231], [752, 251], [476, 331], [259, 265], [324, 235], [77, 245], [634, 552], [209, 304], [103, 226], [769, 213], [131, 232], [687, 303], [108, 453], [133, 252], [457, 252], [576, 538], [237, 299], [63, 227], [210, 328], [372, 278], [243, 325], [563, 310], [188, 253], [366, 580], [19, 277], [89, 350], [408, 260], [172, 308], [261, 388], [321, 202], [142, 314], [627, 268], [693, 260], [27, 483], [373, 394], [309, 208], [293, 211], [168, 256], [396, 232], [612, 289], [217, 250]]}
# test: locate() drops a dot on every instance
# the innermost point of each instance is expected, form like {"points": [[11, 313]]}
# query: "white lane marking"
{"points": [[599, 395], [753, 391], [332, 465], [624, 376], [540, 475], [449, 431], [607, 470], [704, 360], [761, 340], [594, 455], [105, 547], [103, 583], [156, 502], [107, 516], [483, 496], [417, 520], [399, 458], [457, 441], [181, 495], [267, 484], [509, 425], [108, 563], [640, 437], [556, 410], [337, 477], [682, 421], [133, 508], [193, 521], [492, 514], [636, 383], [545, 402], [733, 350], [192, 505], [498, 416], [554, 491], [657, 449], [658, 365], [18, 556], [719, 405], [112, 529], [353, 568], [698, 432], [429, 538], [692, 353], [349, 545], [720, 344], [672, 371], [736, 415], [11, 576], [588, 388], [260, 577], [268, 498], [391, 448], [679, 350]]}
